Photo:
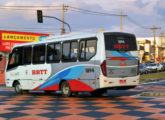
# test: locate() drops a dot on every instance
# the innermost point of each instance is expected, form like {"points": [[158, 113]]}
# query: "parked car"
{"points": [[143, 69], [163, 66], [151, 67], [159, 67]]}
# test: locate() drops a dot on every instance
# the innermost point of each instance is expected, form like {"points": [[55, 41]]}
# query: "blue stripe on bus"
{"points": [[122, 54], [74, 73], [128, 56], [68, 74], [115, 53]]}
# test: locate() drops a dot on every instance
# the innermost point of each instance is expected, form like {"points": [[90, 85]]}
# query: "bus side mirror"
{"points": [[0, 57]]}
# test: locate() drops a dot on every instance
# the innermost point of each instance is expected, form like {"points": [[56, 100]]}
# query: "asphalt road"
{"points": [[115, 105]]}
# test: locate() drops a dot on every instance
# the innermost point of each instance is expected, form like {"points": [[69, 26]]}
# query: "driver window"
{"points": [[15, 58]]}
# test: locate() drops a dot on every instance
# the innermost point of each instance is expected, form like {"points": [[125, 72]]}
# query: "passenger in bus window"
{"points": [[42, 58], [50, 57]]}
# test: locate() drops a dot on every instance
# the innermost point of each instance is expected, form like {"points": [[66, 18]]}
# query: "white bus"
{"points": [[82, 62]]}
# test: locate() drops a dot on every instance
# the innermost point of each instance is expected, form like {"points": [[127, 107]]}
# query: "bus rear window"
{"points": [[120, 42]]}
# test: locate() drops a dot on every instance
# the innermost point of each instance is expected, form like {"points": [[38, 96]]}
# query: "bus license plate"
{"points": [[123, 81]]}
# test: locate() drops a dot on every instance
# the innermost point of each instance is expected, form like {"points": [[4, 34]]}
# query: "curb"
{"points": [[153, 94], [3, 87]]}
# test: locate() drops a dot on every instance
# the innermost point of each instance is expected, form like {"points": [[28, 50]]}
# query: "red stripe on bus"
{"points": [[117, 58], [76, 85]]}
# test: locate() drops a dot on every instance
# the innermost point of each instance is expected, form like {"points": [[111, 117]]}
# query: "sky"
{"points": [[141, 15]]}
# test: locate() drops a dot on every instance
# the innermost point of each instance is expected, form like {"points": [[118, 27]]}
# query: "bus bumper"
{"points": [[106, 82]]}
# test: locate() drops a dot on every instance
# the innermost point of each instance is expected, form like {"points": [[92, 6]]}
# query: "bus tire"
{"points": [[18, 89], [65, 89]]}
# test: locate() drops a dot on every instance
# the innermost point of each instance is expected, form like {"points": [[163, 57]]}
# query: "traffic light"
{"points": [[0, 57], [39, 16]]}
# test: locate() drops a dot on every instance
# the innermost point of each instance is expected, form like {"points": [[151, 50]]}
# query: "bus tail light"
{"points": [[103, 68], [138, 68]]}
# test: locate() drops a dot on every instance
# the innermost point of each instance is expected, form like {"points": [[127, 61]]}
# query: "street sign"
{"points": [[39, 16]]}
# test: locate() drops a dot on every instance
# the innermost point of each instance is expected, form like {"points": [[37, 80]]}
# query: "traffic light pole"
{"points": [[40, 20], [59, 20]]}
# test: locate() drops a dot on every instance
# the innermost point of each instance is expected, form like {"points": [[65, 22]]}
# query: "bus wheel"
{"points": [[18, 89], [65, 88]]}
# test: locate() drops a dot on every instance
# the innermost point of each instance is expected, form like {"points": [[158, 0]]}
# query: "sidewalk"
{"points": [[3, 87]]}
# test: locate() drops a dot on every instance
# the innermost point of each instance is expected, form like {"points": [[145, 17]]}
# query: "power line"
{"points": [[29, 9], [134, 22], [25, 28], [74, 9], [28, 6], [36, 31], [85, 11], [93, 12]]}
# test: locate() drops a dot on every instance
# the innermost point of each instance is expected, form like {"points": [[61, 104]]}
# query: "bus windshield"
{"points": [[120, 42]]}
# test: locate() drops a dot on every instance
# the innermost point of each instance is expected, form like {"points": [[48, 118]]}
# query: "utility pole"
{"points": [[121, 21], [162, 38], [64, 9], [154, 35]]}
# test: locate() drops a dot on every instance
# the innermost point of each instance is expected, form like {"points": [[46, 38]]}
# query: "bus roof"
{"points": [[70, 36], [57, 38]]}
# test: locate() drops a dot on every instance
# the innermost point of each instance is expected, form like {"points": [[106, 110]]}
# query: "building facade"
{"points": [[8, 39], [150, 52]]}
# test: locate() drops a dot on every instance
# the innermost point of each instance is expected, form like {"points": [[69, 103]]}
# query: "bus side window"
{"points": [[39, 54], [90, 49], [50, 53], [69, 51], [66, 51], [74, 51], [53, 52], [15, 58], [82, 51], [87, 49], [57, 51], [27, 55]]}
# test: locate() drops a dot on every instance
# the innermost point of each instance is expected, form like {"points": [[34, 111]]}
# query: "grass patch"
{"points": [[153, 76]]}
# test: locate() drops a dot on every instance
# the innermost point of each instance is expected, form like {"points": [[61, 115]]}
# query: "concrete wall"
{"points": [[2, 70]]}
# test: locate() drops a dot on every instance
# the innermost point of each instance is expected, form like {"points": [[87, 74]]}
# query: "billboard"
{"points": [[9, 38]]}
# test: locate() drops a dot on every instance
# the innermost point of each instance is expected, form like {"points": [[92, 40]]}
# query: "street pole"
{"points": [[162, 36], [63, 19], [59, 20], [121, 21], [154, 35], [154, 42], [40, 19]]}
